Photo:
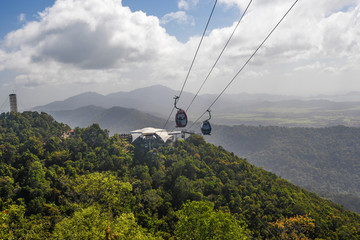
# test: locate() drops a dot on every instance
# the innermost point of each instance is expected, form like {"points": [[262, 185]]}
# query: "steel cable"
{"points": [[249, 59]]}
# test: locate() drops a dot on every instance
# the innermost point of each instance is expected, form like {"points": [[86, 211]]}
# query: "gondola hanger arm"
{"points": [[209, 114], [176, 99]]}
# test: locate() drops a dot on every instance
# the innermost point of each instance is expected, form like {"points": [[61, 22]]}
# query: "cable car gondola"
{"points": [[180, 117], [206, 126]]}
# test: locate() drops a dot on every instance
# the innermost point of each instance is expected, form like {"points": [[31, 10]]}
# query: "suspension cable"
{"points": [[6, 101], [197, 50], [193, 60], [252, 55], [218, 58]]}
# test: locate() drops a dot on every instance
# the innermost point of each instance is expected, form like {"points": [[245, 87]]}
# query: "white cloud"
{"points": [[179, 17], [76, 36], [187, 4], [3, 57], [90, 34], [325, 32], [22, 17], [182, 4]]}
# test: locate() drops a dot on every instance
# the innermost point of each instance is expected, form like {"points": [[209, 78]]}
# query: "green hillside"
{"points": [[325, 160], [92, 186]]}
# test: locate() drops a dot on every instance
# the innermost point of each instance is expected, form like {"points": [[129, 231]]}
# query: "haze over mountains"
{"points": [[231, 109], [115, 119]]}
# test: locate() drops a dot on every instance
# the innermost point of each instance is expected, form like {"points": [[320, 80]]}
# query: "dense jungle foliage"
{"points": [[93, 186]]}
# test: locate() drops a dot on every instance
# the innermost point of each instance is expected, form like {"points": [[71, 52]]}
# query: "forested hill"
{"points": [[92, 186], [325, 160]]}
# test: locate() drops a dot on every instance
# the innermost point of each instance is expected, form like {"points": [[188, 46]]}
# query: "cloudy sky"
{"points": [[54, 49]]}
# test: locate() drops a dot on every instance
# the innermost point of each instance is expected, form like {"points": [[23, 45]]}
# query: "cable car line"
{"points": [[227, 43], [252, 55], [168, 118], [193, 61], [6, 101], [197, 50]]}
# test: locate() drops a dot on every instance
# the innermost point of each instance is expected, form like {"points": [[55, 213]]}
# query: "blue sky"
{"points": [[51, 50], [11, 10], [222, 17]]}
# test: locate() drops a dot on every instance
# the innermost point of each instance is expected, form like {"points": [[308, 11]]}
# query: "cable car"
{"points": [[180, 117], [206, 126]]}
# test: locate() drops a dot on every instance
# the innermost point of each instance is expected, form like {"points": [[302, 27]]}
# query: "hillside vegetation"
{"points": [[325, 160], [92, 186]]}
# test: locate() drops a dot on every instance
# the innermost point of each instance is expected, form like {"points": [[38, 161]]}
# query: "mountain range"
{"points": [[230, 109]]}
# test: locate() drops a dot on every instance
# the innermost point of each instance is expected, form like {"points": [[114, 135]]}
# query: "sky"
{"points": [[53, 49]]}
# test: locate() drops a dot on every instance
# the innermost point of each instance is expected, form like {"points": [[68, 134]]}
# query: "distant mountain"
{"points": [[157, 100], [115, 119], [348, 97], [230, 109], [123, 120], [83, 116], [81, 100]]}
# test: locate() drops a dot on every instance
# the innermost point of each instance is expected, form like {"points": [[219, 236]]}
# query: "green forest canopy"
{"points": [[93, 186]]}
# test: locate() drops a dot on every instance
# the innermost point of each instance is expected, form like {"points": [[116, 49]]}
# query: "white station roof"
{"points": [[149, 131]]}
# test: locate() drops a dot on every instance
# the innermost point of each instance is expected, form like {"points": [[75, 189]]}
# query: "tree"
{"points": [[295, 228], [198, 220], [85, 224], [101, 188], [90, 223], [12, 222]]}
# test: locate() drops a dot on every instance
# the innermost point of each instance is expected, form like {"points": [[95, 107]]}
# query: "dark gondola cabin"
{"points": [[181, 118], [206, 128]]}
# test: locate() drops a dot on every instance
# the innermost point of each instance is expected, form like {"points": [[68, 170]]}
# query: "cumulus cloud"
{"points": [[91, 34], [79, 35]]}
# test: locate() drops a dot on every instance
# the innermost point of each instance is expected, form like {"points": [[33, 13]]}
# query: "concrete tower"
{"points": [[13, 103]]}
